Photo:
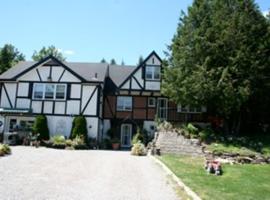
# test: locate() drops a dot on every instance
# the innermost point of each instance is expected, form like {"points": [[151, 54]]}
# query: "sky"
{"points": [[89, 30]]}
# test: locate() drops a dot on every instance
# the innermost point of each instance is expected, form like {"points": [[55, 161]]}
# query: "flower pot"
{"points": [[115, 146]]}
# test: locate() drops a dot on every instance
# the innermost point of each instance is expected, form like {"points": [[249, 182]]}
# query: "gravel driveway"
{"points": [[31, 173]]}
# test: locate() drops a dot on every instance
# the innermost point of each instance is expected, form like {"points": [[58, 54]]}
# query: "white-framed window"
{"points": [[38, 91], [151, 102], [152, 72], [190, 109], [124, 103], [49, 91]]}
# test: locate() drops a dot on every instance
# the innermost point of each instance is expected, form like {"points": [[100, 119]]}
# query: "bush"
{"points": [[192, 129], [79, 128], [138, 149], [138, 137], [106, 144], [164, 126], [206, 135], [40, 127], [4, 149], [79, 143], [58, 141]]}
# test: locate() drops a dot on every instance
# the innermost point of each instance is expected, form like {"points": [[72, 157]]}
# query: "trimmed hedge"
{"points": [[40, 126], [79, 128]]}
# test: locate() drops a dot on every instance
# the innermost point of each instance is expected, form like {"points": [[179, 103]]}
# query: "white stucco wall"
{"points": [[23, 89]]}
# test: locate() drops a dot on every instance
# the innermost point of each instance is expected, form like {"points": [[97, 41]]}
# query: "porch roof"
{"points": [[15, 110]]}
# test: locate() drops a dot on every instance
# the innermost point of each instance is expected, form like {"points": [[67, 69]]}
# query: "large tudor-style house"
{"points": [[126, 97]]}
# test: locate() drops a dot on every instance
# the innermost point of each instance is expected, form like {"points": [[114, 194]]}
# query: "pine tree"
{"points": [[219, 61], [113, 62], [103, 60], [140, 60]]}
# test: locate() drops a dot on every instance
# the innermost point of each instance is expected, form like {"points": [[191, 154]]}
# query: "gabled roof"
{"points": [[139, 66], [118, 73], [84, 71]]}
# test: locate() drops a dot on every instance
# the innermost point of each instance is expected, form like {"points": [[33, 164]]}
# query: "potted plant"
{"points": [[115, 143]]}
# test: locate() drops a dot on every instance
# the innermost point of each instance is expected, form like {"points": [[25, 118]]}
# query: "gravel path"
{"points": [[31, 173]]}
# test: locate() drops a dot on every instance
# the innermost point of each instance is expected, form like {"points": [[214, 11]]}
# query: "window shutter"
{"points": [[68, 91], [30, 90]]}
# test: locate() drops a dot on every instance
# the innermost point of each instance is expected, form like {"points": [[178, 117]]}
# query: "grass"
{"points": [[237, 182]]}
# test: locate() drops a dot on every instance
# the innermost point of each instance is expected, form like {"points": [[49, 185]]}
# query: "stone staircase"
{"points": [[173, 142]]}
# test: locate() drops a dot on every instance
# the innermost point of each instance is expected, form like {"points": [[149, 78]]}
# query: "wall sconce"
{"points": [[90, 126]]}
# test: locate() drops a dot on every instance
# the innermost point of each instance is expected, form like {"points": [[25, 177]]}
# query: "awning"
{"points": [[15, 111]]}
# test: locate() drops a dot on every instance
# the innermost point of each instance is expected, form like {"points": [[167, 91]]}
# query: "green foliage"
{"points": [[40, 127], [138, 137], [140, 60], [79, 128], [58, 142], [103, 60], [138, 149], [58, 139], [113, 62], [4, 149], [47, 51], [106, 144], [9, 56], [192, 129], [217, 61], [206, 135]]}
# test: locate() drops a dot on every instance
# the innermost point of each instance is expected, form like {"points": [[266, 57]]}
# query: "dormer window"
{"points": [[152, 72]]}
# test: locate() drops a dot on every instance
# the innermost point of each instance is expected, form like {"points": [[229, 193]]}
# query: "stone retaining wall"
{"points": [[173, 142]]}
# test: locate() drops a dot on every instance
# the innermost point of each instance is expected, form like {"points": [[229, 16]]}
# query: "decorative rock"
{"points": [[244, 160]]}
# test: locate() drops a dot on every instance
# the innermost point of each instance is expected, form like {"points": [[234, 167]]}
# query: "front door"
{"points": [[126, 132], [162, 108]]}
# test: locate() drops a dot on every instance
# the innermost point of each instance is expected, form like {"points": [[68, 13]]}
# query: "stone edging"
{"points": [[192, 194]]}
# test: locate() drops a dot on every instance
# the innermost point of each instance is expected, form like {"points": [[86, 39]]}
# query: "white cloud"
{"points": [[66, 52], [265, 13], [69, 52]]}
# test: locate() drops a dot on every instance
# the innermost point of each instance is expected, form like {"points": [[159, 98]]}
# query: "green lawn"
{"points": [[237, 182]]}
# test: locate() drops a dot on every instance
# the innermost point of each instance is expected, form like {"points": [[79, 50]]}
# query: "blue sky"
{"points": [[88, 30]]}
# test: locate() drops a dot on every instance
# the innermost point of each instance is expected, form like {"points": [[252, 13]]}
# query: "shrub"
{"points": [[79, 143], [58, 141], [79, 128], [138, 137], [106, 144], [138, 149], [206, 135], [40, 127], [4, 149], [192, 129], [164, 126]]}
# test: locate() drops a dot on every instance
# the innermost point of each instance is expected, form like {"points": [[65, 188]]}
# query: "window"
{"points": [[189, 109], [151, 102], [38, 91], [49, 91], [124, 103], [152, 72], [60, 91]]}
